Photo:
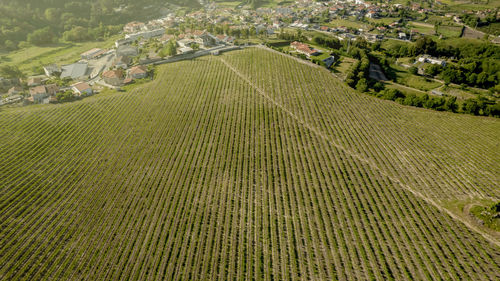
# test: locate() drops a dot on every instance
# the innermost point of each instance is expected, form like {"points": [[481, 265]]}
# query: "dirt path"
{"points": [[295, 58], [358, 157]]}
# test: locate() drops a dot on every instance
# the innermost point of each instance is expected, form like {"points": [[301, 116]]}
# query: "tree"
{"points": [[65, 96], [470, 106], [8, 71], [413, 70], [451, 104], [41, 36], [425, 45], [433, 70], [77, 34], [52, 14], [362, 85]]}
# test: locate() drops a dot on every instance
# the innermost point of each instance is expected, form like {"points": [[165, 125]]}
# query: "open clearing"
{"points": [[248, 165]]}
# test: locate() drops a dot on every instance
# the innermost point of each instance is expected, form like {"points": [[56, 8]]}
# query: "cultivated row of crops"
{"points": [[244, 166]]}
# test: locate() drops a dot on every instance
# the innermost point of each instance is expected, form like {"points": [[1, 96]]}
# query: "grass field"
{"points": [[415, 81], [63, 53], [248, 165]]}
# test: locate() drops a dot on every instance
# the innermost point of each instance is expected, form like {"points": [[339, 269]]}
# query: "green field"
{"points": [[246, 166], [63, 53], [415, 81]]}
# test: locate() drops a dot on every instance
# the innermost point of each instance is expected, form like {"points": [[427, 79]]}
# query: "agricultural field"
{"points": [[248, 165]]}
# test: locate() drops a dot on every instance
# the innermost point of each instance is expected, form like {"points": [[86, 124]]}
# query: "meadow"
{"points": [[248, 165]]}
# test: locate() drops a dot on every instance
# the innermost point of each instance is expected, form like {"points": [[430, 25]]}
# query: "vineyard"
{"points": [[248, 165]]}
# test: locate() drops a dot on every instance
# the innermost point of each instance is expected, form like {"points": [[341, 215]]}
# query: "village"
{"points": [[216, 29]]}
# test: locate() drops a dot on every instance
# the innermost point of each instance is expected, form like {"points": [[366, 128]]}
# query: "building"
{"points": [[138, 72], [203, 38], [93, 54], [166, 37], [431, 60], [82, 89], [113, 77], [128, 51], [329, 61], [38, 94], [304, 49], [34, 81], [74, 71], [146, 34], [225, 39], [121, 62], [186, 42], [15, 90], [185, 50], [402, 36], [51, 89], [134, 27], [123, 42], [52, 70]]}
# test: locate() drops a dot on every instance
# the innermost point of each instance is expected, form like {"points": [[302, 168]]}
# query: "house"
{"points": [[329, 61], [81, 89], [113, 77], [431, 60], [51, 89], [186, 43], [123, 42], [203, 38], [224, 39], [34, 81], [371, 15], [166, 37], [304, 49], [138, 72], [186, 50], [146, 34], [121, 62], [77, 70], [93, 54], [52, 70], [402, 36], [38, 94], [129, 51], [15, 90], [13, 98], [133, 27]]}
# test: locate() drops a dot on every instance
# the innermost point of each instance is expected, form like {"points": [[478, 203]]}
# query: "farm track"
{"points": [[364, 160], [243, 166]]}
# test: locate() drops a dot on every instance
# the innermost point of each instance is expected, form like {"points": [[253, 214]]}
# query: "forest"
{"points": [[29, 22]]}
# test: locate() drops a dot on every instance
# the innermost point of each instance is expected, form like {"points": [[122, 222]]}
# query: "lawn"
{"points": [[450, 31], [418, 82], [423, 28], [344, 65]]}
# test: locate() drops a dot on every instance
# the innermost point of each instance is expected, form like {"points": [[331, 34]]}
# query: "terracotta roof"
{"points": [[138, 69], [113, 74], [52, 88], [34, 80], [38, 90], [82, 86], [198, 32]]}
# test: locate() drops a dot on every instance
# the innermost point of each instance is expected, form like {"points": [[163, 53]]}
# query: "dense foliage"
{"points": [[476, 64], [46, 21]]}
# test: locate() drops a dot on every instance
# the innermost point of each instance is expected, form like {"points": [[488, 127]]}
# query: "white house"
{"points": [[82, 88]]}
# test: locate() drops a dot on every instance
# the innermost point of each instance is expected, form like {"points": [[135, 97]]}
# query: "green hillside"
{"points": [[248, 165]]}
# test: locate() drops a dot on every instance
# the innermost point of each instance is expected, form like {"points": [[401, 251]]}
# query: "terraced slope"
{"points": [[245, 166]]}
